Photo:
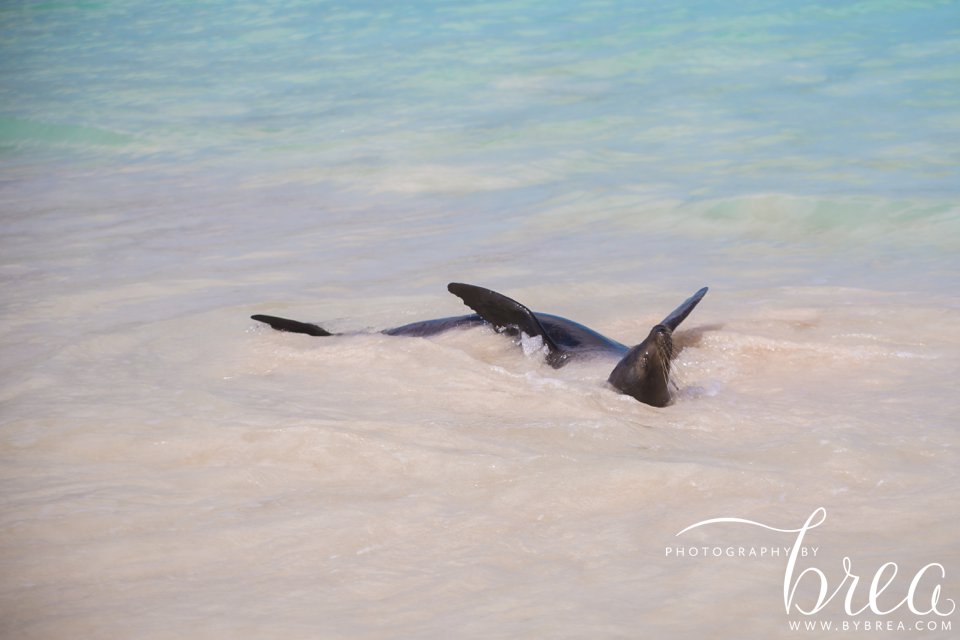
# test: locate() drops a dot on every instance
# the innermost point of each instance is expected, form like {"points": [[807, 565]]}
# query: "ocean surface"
{"points": [[171, 469]]}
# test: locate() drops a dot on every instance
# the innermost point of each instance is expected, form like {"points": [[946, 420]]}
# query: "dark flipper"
{"points": [[282, 324], [680, 313], [505, 313]]}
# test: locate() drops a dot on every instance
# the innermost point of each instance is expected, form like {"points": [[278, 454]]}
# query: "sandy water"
{"points": [[171, 469]]}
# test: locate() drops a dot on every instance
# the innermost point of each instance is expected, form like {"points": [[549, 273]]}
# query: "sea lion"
{"points": [[642, 371]]}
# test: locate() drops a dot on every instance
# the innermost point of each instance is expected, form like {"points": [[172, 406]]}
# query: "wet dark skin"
{"points": [[642, 371]]}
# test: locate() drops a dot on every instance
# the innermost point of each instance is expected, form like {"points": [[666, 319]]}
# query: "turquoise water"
{"points": [[169, 168], [696, 100], [784, 122]]}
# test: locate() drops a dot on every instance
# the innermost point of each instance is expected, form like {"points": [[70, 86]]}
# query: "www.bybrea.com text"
{"points": [[737, 552], [870, 625]]}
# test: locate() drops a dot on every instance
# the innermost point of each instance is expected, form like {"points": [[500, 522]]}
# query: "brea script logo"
{"points": [[850, 581]]}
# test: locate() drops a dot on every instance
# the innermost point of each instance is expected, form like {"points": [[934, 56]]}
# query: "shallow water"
{"points": [[172, 469]]}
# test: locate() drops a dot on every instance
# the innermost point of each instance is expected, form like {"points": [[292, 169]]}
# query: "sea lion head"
{"points": [[644, 372]]}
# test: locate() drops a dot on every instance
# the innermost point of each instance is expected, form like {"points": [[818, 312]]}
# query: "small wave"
{"points": [[20, 133]]}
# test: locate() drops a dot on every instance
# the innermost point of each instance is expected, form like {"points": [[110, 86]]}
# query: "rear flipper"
{"points": [[505, 314], [283, 324], [680, 313]]}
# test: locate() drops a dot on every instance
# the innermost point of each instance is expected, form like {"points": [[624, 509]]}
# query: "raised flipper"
{"points": [[505, 313], [293, 326], [680, 313]]}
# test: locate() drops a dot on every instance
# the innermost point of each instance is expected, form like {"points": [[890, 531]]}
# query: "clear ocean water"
{"points": [[169, 469]]}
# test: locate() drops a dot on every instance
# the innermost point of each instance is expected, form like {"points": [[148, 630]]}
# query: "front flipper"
{"points": [[505, 313], [293, 326], [680, 313]]}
